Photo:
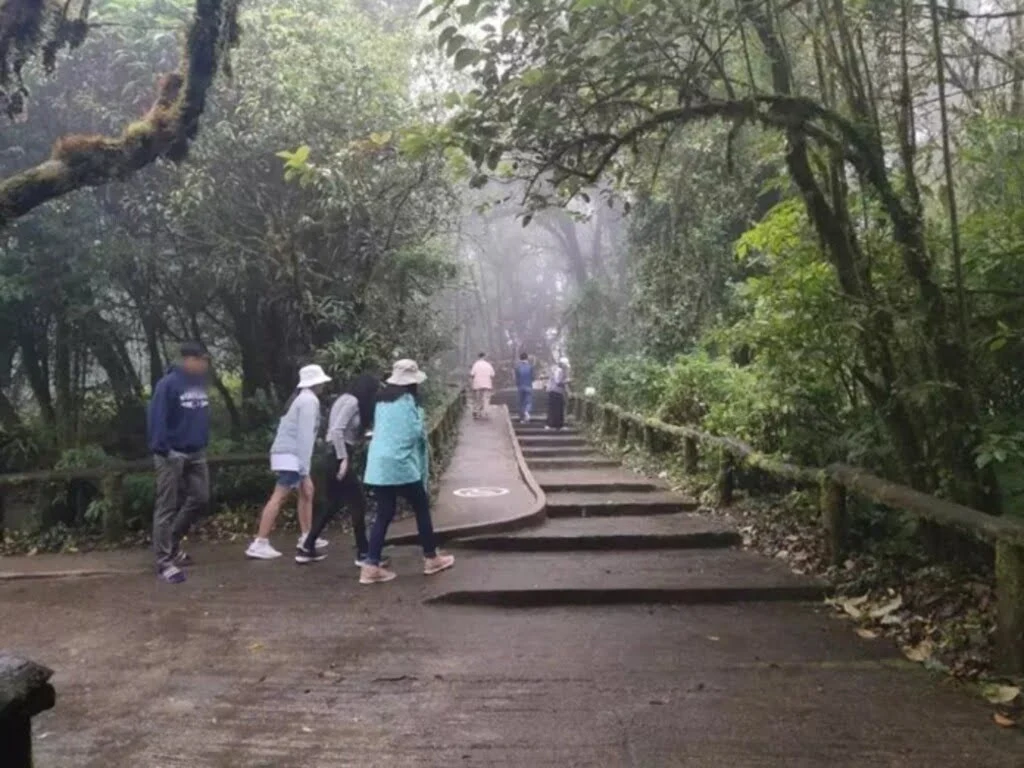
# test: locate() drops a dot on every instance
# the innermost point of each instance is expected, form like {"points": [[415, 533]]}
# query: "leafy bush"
{"points": [[139, 498], [633, 382], [21, 449], [82, 458]]}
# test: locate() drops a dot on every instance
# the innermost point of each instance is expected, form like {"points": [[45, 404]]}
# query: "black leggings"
{"points": [[347, 491]]}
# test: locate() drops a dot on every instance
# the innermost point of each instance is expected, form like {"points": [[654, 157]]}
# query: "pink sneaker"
{"points": [[374, 574], [440, 562]]}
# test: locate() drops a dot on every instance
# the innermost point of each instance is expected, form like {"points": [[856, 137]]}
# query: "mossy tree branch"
{"points": [[164, 132]]}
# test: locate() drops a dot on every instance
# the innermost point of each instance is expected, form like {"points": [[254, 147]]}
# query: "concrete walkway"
{"points": [[273, 665], [483, 489]]}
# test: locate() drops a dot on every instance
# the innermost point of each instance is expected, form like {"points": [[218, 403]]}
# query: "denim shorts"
{"points": [[289, 480]]}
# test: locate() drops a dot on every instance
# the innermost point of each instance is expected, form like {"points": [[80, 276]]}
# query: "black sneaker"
{"points": [[304, 556]]}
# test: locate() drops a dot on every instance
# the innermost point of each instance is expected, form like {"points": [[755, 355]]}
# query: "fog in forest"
{"points": [[794, 225]]}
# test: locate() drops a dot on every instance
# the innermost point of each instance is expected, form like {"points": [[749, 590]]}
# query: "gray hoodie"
{"points": [[297, 430]]}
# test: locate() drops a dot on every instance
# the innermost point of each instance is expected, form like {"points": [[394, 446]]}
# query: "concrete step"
{"points": [[573, 462], [537, 428], [679, 531], [617, 503], [594, 481], [685, 576], [550, 440], [544, 451]]}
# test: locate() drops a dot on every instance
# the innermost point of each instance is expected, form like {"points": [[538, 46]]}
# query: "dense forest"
{"points": [[797, 223], [824, 241]]}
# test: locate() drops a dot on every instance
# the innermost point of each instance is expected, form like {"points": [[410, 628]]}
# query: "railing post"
{"points": [[726, 477], [691, 458], [652, 441], [25, 691], [113, 517], [608, 425], [834, 519], [622, 431], [1009, 608]]}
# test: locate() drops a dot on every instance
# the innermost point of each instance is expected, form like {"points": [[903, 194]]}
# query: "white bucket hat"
{"points": [[312, 376], [406, 372]]}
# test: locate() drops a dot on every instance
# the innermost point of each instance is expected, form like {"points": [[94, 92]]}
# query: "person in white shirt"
{"points": [[481, 377]]}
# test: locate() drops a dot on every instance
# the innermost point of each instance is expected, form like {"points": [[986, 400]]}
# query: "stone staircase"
{"points": [[612, 536]]}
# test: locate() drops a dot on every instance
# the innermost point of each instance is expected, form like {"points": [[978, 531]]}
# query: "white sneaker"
{"points": [[385, 562], [320, 543], [261, 549]]}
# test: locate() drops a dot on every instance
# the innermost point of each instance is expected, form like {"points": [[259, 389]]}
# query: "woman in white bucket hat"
{"points": [[290, 458], [397, 465]]}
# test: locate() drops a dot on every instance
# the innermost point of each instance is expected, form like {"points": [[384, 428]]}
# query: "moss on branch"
{"points": [[165, 131]]}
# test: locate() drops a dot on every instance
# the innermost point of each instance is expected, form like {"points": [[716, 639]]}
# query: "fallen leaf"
{"points": [[867, 634], [1000, 694], [256, 647], [851, 608], [884, 610], [1003, 721], [306, 729], [920, 652], [714, 638]]}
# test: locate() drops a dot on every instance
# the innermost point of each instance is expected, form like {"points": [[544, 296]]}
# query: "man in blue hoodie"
{"points": [[179, 431]]}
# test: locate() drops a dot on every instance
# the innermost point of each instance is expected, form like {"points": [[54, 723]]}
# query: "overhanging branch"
{"points": [[165, 131]]}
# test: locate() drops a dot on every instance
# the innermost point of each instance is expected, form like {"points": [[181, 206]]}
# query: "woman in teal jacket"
{"points": [[397, 465]]}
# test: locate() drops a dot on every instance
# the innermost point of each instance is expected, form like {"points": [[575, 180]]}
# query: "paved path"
{"points": [[272, 665], [484, 459]]}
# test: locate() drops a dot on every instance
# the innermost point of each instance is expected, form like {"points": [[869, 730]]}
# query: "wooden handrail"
{"points": [[143, 466], [110, 477], [836, 482]]}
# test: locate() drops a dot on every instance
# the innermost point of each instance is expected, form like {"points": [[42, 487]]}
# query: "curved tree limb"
{"points": [[164, 132]]}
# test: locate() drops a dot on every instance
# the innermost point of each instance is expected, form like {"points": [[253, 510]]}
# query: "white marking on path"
{"points": [[480, 493]]}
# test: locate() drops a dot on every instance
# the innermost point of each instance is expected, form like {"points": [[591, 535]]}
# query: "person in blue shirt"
{"points": [[178, 423], [524, 386], [397, 465]]}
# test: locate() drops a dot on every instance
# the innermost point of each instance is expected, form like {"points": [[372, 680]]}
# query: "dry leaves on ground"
{"points": [[995, 693], [1003, 721]]}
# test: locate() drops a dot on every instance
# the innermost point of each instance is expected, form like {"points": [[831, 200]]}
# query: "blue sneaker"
{"points": [[172, 574]]}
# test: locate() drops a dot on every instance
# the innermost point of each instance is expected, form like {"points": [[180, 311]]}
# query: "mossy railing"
{"points": [[836, 484], [109, 478]]}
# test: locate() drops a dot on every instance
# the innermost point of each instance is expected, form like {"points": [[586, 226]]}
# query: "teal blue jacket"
{"points": [[398, 448]]}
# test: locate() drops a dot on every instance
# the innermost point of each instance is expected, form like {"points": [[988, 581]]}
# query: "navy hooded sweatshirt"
{"points": [[179, 414]]}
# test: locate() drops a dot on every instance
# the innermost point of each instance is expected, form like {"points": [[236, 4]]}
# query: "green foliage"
{"points": [[82, 458], [633, 382], [21, 449]]}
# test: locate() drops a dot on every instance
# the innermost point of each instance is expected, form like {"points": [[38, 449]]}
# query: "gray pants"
{"points": [[182, 493]]}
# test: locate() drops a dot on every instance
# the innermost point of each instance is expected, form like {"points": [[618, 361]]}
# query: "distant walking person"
{"points": [[179, 431], [291, 456], [558, 384], [351, 416], [524, 386], [397, 465], [481, 377]]}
